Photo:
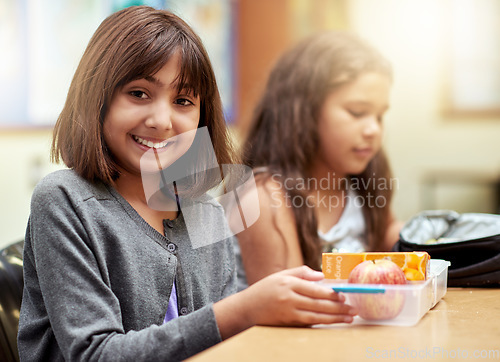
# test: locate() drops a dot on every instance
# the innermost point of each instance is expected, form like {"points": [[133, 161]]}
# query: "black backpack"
{"points": [[470, 242]]}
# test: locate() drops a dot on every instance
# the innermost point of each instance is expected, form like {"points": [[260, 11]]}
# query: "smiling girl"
{"points": [[315, 145], [107, 276]]}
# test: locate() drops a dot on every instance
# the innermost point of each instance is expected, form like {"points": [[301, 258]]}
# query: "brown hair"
{"points": [[130, 44], [284, 133]]}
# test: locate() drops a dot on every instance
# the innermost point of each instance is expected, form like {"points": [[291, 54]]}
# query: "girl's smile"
{"points": [[148, 143]]}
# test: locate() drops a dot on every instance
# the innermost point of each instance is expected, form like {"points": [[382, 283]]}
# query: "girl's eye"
{"points": [[183, 102], [139, 94], [356, 114]]}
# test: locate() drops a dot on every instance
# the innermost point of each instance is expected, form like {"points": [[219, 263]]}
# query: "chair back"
{"points": [[11, 292]]}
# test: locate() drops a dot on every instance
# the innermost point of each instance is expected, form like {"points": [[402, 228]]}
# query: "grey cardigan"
{"points": [[97, 277]]}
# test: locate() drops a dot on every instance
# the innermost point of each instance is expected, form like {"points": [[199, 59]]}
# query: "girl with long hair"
{"points": [[315, 144]]}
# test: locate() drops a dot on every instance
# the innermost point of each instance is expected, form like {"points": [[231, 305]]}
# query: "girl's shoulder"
{"points": [[57, 180], [62, 176], [59, 177], [270, 191], [265, 179], [68, 183]]}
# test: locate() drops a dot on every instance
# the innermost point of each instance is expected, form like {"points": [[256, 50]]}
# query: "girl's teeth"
{"points": [[150, 144]]}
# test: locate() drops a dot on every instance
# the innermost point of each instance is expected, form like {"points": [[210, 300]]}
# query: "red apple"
{"points": [[381, 305]]}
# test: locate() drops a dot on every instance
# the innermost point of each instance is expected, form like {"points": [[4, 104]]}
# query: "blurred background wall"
{"points": [[442, 131]]}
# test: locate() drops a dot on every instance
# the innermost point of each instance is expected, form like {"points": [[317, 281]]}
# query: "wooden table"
{"points": [[464, 325]]}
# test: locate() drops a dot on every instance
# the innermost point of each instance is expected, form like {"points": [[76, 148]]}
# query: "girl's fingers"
{"points": [[293, 298], [323, 306], [317, 291], [304, 272], [307, 318], [320, 299]]}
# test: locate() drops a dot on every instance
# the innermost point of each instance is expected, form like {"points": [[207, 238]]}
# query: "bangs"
{"points": [[194, 75]]}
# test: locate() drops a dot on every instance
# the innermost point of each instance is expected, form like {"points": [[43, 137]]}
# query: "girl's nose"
{"points": [[372, 127], [160, 117]]}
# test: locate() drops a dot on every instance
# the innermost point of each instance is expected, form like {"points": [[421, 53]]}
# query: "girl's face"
{"points": [[150, 114], [350, 125]]}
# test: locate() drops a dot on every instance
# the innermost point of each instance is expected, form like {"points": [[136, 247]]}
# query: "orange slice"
{"points": [[414, 274], [416, 266], [413, 261]]}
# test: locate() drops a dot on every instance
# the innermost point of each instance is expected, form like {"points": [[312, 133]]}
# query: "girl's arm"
{"points": [[271, 244], [392, 233], [286, 298]]}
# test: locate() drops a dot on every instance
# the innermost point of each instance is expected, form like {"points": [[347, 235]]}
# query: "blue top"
{"points": [[172, 309]]}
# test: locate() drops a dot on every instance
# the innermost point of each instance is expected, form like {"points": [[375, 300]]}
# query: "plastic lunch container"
{"points": [[419, 297]]}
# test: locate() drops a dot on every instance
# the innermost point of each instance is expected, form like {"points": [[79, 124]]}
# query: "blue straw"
{"points": [[359, 289]]}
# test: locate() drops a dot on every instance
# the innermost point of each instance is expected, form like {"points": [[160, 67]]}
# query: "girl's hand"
{"points": [[289, 298], [285, 298]]}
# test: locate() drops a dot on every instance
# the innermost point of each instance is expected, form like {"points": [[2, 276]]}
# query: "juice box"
{"points": [[414, 264]]}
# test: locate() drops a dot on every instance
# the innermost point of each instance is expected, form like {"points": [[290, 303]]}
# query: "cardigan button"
{"points": [[171, 247], [184, 311], [170, 224]]}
